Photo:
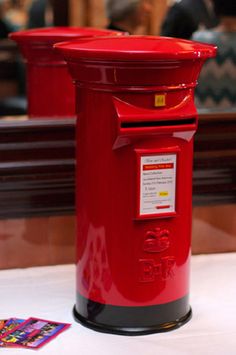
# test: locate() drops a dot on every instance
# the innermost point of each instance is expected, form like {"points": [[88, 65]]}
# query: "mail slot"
{"points": [[50, 91], [135, 129]]}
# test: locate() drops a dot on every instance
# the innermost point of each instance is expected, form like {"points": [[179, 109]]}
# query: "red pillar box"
{"points": [[136, 123], [49, 86]]}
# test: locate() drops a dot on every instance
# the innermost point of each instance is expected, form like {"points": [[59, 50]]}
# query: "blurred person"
{"points": [[187, 16], [5, 25], [10, 21], [217, 82], [40, 14], [127, 15], [16, 14]]}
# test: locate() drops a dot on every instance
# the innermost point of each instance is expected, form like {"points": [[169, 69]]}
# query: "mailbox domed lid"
{"points": [[136, 48], [57, 34]]}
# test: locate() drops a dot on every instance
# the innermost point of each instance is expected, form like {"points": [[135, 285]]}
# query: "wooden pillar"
{"points": [[159, 10], [76, 11], [87, 13]]}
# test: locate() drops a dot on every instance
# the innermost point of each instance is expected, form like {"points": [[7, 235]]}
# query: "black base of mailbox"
{"points": [[132, 320]]}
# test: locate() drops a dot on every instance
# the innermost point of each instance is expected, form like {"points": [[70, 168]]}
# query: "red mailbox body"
{"points": [[50, 90], [136, 122]]}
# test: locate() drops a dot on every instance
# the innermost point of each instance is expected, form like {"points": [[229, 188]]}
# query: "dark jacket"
{"points": [[185, 17], [5, 29], [37, 14]]}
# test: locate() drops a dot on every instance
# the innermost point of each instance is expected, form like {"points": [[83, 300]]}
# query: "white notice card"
{"points": [[157, 184]]}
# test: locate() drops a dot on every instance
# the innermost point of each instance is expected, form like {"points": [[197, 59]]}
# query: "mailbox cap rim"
{"points": [[135, 48], [57, 34]]}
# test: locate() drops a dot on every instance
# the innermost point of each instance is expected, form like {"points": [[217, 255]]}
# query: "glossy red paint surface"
{"points": [[50, 90], [138, 48], [125, 257]]}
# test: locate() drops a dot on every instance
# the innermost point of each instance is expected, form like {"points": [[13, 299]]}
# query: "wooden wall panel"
{"points": [[42, 241], [214, 229], [37, 167], [37, 241]]}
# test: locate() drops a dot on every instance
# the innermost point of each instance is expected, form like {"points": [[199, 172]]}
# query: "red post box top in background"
{"points": [[33, 43], [50, 90], [137, 60]]}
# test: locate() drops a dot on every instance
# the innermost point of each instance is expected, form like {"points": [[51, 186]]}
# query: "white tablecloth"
{"points": [[49, 293]]}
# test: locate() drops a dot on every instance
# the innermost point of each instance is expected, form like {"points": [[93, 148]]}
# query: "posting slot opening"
{"points": [[159, 123]]}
